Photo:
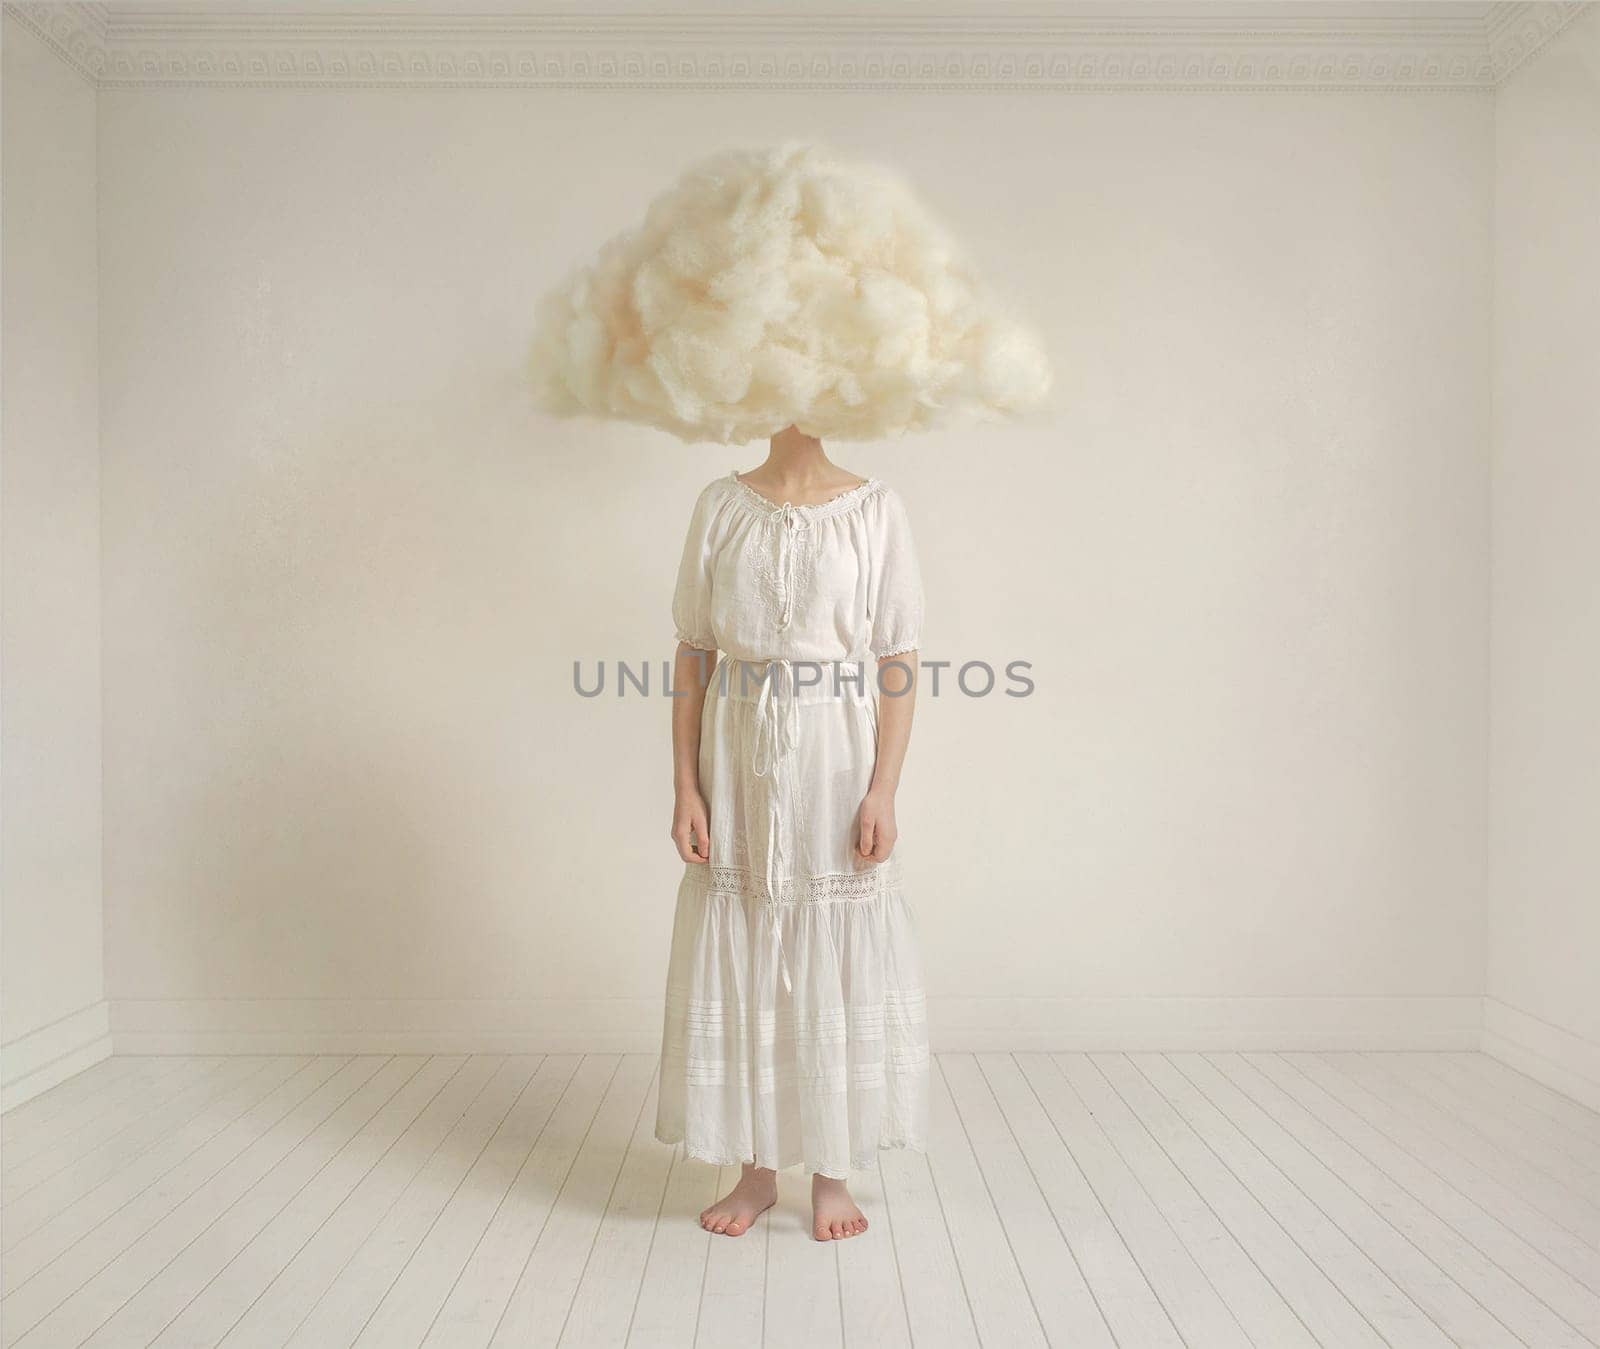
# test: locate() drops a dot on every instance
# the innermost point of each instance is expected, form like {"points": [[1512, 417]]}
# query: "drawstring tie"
{"points": [[776, 738], [774, 741], [777, 732], [789, 522]]}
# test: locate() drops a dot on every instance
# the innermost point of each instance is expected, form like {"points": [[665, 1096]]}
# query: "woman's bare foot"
{"points": [[732, 1215], [834, 1214]]}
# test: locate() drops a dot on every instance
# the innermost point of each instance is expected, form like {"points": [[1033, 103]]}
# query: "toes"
{"points": [[838, 1230], [821, 1233], [735, 1227]]}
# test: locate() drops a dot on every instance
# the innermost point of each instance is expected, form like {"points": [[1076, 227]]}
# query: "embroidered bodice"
{"points": [[835, 581]]}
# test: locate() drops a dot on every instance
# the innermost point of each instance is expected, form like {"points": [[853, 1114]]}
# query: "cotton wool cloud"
{"points": [[784, 286]]}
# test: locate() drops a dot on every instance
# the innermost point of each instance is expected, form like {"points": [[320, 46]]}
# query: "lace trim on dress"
{"points": [[846, 886], [700, 643], [846, 500]]}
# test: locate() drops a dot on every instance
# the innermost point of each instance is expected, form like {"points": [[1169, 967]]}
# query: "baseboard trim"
{"points": [[633, 1025], [35, 1062], [1563, 1061], [1172, 1024]]}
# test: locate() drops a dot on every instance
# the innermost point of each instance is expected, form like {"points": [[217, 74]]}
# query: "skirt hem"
{"points": [[717, 1159]]}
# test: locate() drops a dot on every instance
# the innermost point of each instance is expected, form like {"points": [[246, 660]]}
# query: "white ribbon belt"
{"points": [[776, 737], [777, 733]]}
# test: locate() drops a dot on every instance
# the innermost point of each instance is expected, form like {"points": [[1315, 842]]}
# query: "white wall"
{"points": [[1544, 946], [350, 792], [53, 1019]]}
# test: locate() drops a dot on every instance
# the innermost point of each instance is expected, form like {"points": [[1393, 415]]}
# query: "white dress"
{"points": [[795, 1030]]}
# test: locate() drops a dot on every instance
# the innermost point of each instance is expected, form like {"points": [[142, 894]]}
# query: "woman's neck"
{"points": [[796, 462]]}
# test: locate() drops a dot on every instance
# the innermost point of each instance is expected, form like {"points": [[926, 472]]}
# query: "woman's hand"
{"points": [[878, 829], [690, 830]]}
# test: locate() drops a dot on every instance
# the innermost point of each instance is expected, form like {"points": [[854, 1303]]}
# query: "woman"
{"points": [[794, 1030]]}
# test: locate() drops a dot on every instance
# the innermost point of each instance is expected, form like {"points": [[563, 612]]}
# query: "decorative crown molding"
{"points": [[1517, 32], [75, 32], [1442, 48]]}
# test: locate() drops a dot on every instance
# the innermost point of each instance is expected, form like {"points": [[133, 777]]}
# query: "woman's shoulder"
{"points": [[883, 499]]}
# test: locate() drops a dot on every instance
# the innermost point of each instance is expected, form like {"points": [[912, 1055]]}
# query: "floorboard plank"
{"points": [[666, 1309], [1394, 1315], [1257, 1306], [1523, 1314], [51, 1217], [1002, 1310], [1061, 1296], [543, 1295], [51, 1285], [802, 1274], [1122, 1292], [1567, 1141], [939, 1314], [734, 1291], [1396, 1200], [479, 1296], [1373, 1097], [1330, 1316], [234, 1212], [1572, 1114], [361, 1084], [1502, 1121], [1193, 1304], [1449, 1304], [1494, 1156], [275, 1214], [117, 1154], [272, 1318], [419, 1291], [1453, 1188], [370, 1282], [603, 1305], [50, 1109], [871, 1297], [270, 1260], [36, 1161], [476, 1094]]}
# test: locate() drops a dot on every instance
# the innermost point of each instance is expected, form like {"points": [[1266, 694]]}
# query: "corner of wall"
{"points": [[50, 1055], [1549, 1054], [1541, 999], [53, 712]]}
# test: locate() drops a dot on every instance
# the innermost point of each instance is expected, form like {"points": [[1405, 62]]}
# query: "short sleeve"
{"points": [[691, 600], [894, 587]]}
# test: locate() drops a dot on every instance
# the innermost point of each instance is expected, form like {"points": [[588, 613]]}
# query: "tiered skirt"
{"points": [[795, 1029]]}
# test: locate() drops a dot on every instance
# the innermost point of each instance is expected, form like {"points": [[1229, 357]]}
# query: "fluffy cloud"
{"points": [[783, 286]]}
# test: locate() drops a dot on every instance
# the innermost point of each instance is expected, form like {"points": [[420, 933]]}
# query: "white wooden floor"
{"points": [[1138, 1200]]}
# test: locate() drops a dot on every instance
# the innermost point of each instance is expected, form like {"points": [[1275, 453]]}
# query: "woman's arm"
{"points": [[897, 676], [691, 673]]}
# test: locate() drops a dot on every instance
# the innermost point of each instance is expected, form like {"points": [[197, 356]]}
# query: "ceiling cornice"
{"points": [[1517, 32], [1122, 48]]}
